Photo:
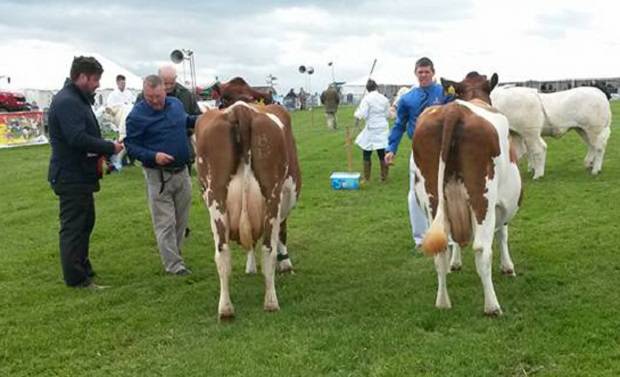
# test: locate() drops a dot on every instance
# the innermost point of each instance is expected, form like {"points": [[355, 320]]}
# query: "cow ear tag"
{"points": [[451, 90]]}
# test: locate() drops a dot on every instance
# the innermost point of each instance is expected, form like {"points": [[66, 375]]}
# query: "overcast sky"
{"points": [[526, 39]]}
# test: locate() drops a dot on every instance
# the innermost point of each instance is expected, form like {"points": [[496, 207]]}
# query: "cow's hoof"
{"points": [[271, 307], [455, 268], [509, 272], [250, 271], [494, 312], [443, 303], [226, 312], [271, 301], [285, 266], [226, 318]]}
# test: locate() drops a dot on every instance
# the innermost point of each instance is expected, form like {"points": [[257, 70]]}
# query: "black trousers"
{"points": [[380, 154], [77, 219]]}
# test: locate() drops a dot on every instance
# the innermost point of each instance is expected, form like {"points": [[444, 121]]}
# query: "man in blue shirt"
{"points": [[157, 136], [410, 106]]}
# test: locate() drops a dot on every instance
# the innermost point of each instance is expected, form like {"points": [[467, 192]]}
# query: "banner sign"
{"points": [[21, 128]]}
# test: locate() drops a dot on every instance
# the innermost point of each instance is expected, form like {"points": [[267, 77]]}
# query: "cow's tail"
{"points": [[240, 117], [452, 207]]}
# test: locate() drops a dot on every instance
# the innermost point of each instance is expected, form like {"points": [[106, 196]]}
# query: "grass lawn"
{"points": [[359, 304]]}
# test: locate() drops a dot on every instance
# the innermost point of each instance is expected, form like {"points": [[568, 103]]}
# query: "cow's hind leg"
{"points": [[483, 266], [455, 259], [225, 307], [442, 265], [250, 262], [483, 248], [284, 262], [588, 161], [600, 145], [506, 265], [270, 247], [537, 154], [270, 244], [483, 243], [222, 259]]}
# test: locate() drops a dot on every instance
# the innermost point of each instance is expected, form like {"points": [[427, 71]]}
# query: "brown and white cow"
{"points": [[467, 181], [247, 164], [237, 89]]}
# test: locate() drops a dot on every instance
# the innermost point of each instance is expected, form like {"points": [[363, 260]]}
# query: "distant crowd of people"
{"points": [[301, 100]]}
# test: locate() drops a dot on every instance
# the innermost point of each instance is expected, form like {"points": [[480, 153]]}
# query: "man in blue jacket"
{"points": [[410, 106], [74, 169], [157, 136]]}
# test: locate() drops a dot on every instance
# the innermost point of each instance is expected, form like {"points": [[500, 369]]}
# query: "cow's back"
{"points": [[521, 106], [506, 169], [583, 107]]}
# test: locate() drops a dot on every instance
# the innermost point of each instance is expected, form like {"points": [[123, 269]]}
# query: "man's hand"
{"points": [[163, 159], [118, 147], [389, 158]]}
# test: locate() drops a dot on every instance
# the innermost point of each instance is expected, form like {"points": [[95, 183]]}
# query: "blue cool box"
{"points": [[345, 181]]}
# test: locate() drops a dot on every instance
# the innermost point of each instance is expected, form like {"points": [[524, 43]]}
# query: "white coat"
{"points": [[117, 98], [374, 109]]}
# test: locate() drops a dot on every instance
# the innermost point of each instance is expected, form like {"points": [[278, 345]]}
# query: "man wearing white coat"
{"points": [[119, 103], [120, 96], [374, 109]]}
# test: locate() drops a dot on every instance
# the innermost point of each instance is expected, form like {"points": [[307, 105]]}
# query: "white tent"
{"points": [[34, 64], [38, 69]]}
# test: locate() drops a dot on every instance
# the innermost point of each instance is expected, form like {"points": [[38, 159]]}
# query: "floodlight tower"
{"points": [[309, 70], [182, 55]]}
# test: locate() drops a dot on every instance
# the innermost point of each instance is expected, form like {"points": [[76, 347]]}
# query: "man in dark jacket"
{"points": [[74, 169], [173, 89], [331, 99], [169, 76]]}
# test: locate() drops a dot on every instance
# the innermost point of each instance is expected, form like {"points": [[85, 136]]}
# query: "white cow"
{"points": [[532, 115], [394, 107], [115, 117]]}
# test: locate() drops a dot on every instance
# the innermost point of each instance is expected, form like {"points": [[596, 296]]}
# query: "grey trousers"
{"points": [[169, 213], [419, 223]]}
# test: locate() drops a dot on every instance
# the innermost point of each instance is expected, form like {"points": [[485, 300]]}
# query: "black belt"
{"points": [[168, 170]]}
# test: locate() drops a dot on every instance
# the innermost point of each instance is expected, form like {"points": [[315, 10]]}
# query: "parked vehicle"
{"points": [[12, 101]]}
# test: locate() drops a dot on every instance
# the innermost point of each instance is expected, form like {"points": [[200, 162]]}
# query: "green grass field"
{"points": [[359, 304]]}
